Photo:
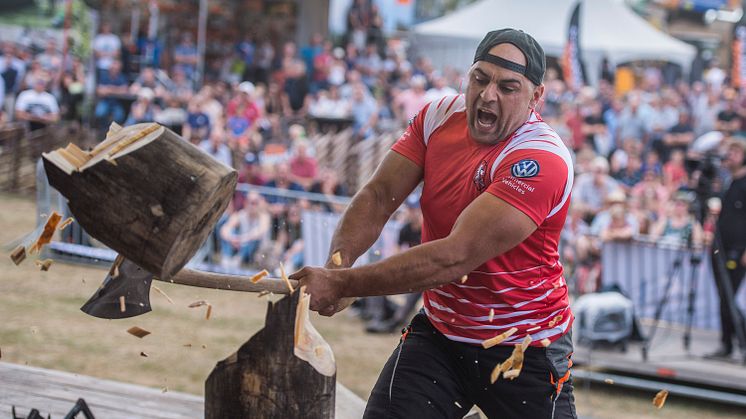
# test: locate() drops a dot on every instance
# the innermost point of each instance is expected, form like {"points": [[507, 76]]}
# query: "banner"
{"points": [[738, 54], [572, 61]]}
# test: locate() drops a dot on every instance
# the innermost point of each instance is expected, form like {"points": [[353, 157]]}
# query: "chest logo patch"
{"points": [[525, 168], [479, 175]]}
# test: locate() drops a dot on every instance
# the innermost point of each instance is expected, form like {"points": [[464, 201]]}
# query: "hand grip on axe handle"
{"points": [[229, 282]]}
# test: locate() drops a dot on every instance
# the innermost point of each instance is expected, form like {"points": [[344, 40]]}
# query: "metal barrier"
{"points": [[641, 269]]}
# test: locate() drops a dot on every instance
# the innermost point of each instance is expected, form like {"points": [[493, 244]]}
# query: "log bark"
{"points": [[144, 192], [264, 379]]}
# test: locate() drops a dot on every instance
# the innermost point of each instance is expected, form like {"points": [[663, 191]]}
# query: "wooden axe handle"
{"points": [[229, 282]]}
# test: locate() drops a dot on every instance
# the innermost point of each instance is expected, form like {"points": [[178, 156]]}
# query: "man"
{"points": [[732, 230], [106, 48], [111, 84], [37, 106], [488, 261]]}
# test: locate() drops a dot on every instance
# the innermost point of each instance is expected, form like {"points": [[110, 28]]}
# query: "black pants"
{"points": [[731, 259], [430, 376]]}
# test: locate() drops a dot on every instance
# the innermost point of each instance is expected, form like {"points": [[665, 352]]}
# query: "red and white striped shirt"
{"points": [[532, 171]]}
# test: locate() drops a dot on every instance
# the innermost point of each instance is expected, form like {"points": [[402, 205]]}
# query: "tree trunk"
{"points": [[144, 192], [264, 379]]}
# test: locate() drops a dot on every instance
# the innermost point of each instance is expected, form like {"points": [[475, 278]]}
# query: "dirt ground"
{"points": [[41, 325]]}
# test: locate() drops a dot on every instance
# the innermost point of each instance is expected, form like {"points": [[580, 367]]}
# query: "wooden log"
{"points": [[145, 193], [264, 379]]}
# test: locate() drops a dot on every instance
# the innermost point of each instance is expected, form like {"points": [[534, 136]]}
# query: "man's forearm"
{"points": [[360, 226], [420, 268]]}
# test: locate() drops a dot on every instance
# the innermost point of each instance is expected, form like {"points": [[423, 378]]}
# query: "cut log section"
{"points": [[144, 192]]}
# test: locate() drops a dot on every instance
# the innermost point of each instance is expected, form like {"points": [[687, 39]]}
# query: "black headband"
{"points": [[502, 62]]}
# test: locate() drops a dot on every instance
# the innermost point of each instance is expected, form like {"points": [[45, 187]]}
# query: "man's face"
{"points": [[498, 100], [733, 158]]}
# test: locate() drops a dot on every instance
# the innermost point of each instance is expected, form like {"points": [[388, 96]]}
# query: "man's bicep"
{"points": [[489, 227]]}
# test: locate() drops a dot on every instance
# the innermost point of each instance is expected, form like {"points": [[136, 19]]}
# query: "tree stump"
{"points": [[264, 379], [144, 192]]}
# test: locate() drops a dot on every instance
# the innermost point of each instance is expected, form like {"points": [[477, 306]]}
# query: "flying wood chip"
{"points": [[136, 331], [162, 293], [65, 223], [46, 235], [337, 258], [492, 315], [660, 399], [545, 342], [464, 278], [18, 255], [114, 270], [143, 354], [499, 338], [286, 279], [199, 303], [122, 304], [44, 264], [258, 276]]}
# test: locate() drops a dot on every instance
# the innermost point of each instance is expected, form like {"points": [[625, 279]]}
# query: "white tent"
{"points": [[607, 29]]}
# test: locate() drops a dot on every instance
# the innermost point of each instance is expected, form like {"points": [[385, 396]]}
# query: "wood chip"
{"points": [[660, 399], [464, 278], [545, 342], [65, 223], [258, 276], [157, 210], [114, 270], [457, 404], [122, 304], [511, 374], [143, 354], [18, 255], [209, 312], [204, 346], [136, 331], [337, 258], [286, 279], [46, 235], [496, 373], [492, 315], [160, 291], [164, 390], [609, 381], [44, 264], [555, 320], [187, 345], [499, 338], [262, 293], [199, 303]]}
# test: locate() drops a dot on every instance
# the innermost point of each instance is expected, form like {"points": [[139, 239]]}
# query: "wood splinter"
{"points": [[18, 255], [44, 264]]}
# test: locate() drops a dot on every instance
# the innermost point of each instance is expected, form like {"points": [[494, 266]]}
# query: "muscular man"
{"points": [[496, 191]]}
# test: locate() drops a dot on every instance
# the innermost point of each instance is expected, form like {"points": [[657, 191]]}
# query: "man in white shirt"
{"points": [[37, 106], [106, 47]]}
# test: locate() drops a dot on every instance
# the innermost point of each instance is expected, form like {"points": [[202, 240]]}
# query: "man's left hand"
{"points": [[325, 288]]}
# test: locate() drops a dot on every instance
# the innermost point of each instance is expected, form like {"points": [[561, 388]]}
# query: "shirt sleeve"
{"points": [[411, 144], [533, 181]]}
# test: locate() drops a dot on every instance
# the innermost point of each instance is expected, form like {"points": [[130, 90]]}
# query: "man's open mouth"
{"points": [[486, 119]]}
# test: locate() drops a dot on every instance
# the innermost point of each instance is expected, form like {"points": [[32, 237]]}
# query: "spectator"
{"points": [[143, 109], [674, 172], [244, 231], [328, 184], [173, 115], [410, 101], [302, 166], [678, 226], [148, 78], [197, 125], [678, 137], [278, 204], [106, 48], [592, 189], [73, 88], [440, 89], [364, 113], [295, 91], [12, 70], [185, 56], [619, 227], [37, 106], [111, 85], [289, 241], [51, 59], [242, 112], [216, 147]]}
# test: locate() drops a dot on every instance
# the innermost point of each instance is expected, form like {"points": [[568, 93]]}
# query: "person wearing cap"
{"points": [[496, 188], [243, 106], [731, 249], [143, 109]]}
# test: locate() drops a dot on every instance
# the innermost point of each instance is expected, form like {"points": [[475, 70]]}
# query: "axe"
{"points": [[133, 283], [153, 198]]}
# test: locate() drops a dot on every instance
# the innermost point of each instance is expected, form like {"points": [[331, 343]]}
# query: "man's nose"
{"points": [[489, 93]]}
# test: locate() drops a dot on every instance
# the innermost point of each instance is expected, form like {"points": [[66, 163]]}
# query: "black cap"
{"points": [[534, 53]]}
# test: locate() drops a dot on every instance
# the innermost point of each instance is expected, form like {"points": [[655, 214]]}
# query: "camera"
{"points": [[704, 174]]}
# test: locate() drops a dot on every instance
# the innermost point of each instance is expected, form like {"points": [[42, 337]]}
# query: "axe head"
{"points": [[133, 283]]}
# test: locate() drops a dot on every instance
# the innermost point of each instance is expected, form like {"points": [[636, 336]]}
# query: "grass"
{"points": [[41, 325]]}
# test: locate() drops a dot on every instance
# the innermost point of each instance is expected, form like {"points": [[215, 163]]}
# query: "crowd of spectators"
{"points": [[259, 105]]}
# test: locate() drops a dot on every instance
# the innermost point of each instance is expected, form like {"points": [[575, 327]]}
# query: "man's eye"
{"points": [[507, 89]]}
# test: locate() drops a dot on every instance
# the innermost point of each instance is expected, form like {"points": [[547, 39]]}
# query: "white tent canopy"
{"points": [[607, 29]]}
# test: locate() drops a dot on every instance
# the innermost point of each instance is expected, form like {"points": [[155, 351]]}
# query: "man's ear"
{"points": [[536, 96]]}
